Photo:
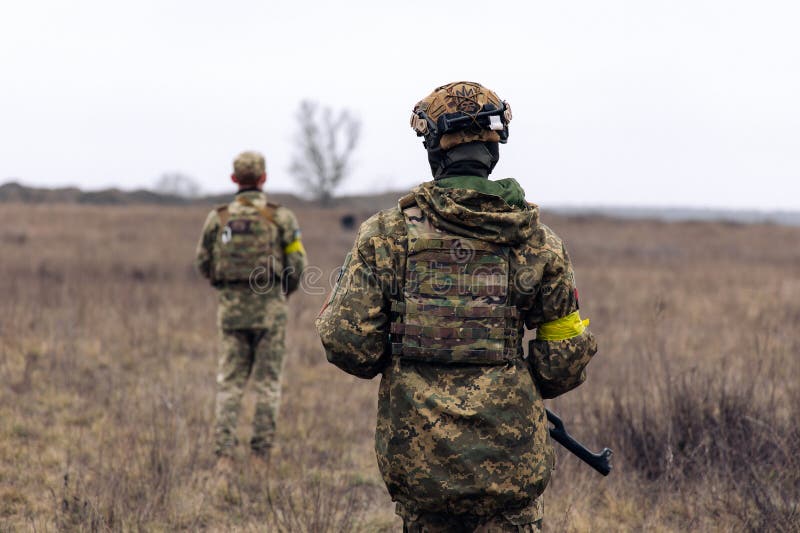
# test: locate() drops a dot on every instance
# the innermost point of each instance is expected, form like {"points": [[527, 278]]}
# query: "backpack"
{"points": [[248, 241]]}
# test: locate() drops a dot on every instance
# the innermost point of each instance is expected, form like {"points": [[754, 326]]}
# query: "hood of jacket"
{"points": [[475, 207]]}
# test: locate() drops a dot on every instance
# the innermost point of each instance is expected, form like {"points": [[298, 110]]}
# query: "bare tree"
{"points": [[325, 144], [177, 184]]}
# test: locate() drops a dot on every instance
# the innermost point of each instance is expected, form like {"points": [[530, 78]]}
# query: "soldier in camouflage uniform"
{"points": [[250, 250], [434, 296]]}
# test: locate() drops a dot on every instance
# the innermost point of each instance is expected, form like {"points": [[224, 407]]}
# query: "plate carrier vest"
{"points": [[455, 299]]}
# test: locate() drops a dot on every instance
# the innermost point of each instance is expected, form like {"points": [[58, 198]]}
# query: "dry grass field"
{"points": [[108, 354]]}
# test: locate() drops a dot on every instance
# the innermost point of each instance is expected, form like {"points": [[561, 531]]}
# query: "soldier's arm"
{"points": [[563, 345], [203, 260], [354, 322], [294, 255]]}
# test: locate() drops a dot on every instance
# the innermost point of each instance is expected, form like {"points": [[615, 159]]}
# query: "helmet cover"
{"points": [[461, 112], [249, 166]]}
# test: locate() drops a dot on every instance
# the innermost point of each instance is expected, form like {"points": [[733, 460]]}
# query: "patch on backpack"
{"points": [[240, 226], [226, 235]]}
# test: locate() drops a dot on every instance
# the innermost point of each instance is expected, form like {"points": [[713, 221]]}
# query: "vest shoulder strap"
{"points": [[268, 211], [223, 214], [409, 200]]}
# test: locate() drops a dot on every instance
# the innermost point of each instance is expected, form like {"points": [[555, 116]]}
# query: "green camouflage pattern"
{"points": [[508, 189], [249, 166], [252, 317], [462, 438], [465, 212], [526, 520], [560, 366], [458, 439], [244, 304], [255, 355]]}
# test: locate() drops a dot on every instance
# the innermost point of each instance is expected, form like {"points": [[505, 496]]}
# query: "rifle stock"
{"points": [[599, 461]]}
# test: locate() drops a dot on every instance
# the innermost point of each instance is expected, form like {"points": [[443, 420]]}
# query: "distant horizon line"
{"points": [[603, 208]]}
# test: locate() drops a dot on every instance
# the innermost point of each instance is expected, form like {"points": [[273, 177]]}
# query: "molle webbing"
{"points": [[448, 244], [433, 332], [454, 307], [464, 312]]}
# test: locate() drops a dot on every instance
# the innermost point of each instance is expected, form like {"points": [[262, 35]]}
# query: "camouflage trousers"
{"points": [[255, 355], [527, 520]]}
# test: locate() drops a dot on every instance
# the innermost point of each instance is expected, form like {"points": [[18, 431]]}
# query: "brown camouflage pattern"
{"points": [[252, 317], [244, 304], [249, 166], [560, 366], [462, 438], [526, 520], [256, 355], [248, 243], [458, 438], [464, 96]]}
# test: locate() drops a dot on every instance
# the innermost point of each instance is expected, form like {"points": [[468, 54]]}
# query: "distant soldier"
{"points": [[251, 252], [435, 295]]}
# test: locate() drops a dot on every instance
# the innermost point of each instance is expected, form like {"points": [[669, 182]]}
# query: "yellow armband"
{"points": [[294, 246], [562, 329]]}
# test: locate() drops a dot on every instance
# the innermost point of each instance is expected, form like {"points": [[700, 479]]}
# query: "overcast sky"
{"points": [[683, 102]]}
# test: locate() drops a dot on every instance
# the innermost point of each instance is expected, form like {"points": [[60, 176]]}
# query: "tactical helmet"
{"points": [[460, 112], [248, 167]]}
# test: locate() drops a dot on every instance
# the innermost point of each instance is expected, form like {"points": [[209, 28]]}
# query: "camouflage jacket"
{"points": [[245, 305], [459, 438]]}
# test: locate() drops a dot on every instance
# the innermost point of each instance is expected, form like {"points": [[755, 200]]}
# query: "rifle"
{"points": [[599, 461]]}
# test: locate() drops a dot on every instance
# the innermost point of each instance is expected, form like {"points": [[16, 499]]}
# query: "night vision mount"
{"points": [[489, 117]]}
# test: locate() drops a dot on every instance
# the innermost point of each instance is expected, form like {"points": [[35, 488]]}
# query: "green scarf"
{"points": [[508, 189]]}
